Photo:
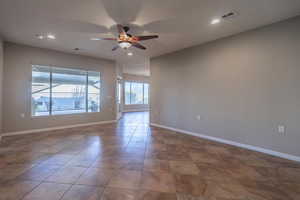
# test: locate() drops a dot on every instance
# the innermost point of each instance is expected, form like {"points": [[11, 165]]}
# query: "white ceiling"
{"points": [[180, 23]]}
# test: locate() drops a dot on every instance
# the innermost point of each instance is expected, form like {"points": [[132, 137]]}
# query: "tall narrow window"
{"points": [[146, 93], [136, 93], [119, 93], [40, 91], [57, 91], [127, 92], [93, 91]]}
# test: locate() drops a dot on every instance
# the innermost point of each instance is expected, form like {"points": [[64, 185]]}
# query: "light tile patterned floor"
{"points": [[131, 161]]}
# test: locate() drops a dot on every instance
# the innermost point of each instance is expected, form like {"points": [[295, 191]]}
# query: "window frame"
{"points": [[50, 90], [130, 82]]}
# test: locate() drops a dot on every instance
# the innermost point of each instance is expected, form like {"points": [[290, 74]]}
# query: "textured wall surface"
{"points": [[17, 87], [243, 87]]}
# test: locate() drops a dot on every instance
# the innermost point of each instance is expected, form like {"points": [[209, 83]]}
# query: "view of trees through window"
{"points": [[64, 91], [136, 93]]}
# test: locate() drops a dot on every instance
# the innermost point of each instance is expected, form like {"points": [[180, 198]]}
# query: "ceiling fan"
{"points": [[125, 40]]}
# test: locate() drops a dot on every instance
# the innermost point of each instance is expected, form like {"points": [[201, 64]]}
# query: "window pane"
{"points": [[127, 92], [40, 91], [119, 93], [93, 91], [68, 91], [146, 93], [136, 93]]}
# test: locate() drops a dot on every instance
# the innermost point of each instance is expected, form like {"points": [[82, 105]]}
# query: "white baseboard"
{"points": [[245, 146], [55, 128]]}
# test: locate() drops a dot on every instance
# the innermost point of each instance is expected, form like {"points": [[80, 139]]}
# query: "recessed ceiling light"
{"points": [[95, 39], [39, 36], [215, 21], [129, 53], [51, 36]]}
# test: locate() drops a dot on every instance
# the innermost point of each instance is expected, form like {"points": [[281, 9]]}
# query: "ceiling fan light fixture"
{"points": [[125, 45]]}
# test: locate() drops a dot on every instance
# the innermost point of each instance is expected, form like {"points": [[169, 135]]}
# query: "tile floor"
{"points": [[132, 161]]}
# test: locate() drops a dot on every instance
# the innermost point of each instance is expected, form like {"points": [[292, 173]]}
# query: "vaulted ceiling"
{"points": [[179, 23]]}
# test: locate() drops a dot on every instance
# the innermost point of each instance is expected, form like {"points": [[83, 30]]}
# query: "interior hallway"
{"points": [[130, 160]]}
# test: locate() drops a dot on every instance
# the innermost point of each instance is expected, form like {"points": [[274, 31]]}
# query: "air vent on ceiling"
{"points": [[229, 15]]}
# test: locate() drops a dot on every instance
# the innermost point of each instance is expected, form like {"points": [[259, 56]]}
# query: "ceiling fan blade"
{"points": [[106, 38], [146, 37], [115, 48], [121, 29], [138, 45]]}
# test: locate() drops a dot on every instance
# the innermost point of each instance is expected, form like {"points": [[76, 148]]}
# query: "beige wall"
{"points": [[17, 87], [1, 80], [243, 87], [135, 78]]}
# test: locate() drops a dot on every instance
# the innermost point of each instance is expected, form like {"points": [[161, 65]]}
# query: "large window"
{"points": [[136, 93], [58, 91]]}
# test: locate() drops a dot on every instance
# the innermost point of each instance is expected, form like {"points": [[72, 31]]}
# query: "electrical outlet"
{"points": [[281, 129]]}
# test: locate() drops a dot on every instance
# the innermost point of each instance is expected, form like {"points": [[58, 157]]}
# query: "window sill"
{"points": [[58, 115]]}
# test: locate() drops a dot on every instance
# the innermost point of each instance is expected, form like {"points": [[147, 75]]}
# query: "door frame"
{"points": [[119, 97]]}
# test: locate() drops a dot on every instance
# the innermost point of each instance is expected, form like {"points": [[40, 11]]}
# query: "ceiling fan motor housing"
{"points": [[126, 28]]}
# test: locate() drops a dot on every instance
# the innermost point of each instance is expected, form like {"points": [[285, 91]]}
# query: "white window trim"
{"points": [[50, 92]]}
